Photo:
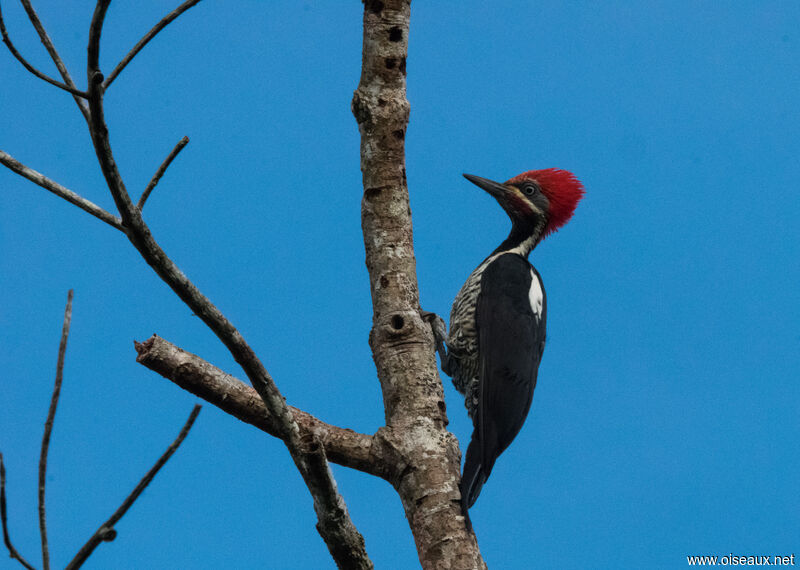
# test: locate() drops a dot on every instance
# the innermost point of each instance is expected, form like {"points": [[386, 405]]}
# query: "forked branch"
{"points": [[307, 447], [354, 556], [51, 49], [30, 68]]}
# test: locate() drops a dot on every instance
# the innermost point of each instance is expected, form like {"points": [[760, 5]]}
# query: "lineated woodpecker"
{"points": [[498, 320]]}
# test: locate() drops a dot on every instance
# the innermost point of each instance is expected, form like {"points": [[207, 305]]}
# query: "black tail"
{"points": [[473, 478]]}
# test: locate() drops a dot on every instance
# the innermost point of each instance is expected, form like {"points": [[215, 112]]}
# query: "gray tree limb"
{"points": [[51, 49], [334, 523], [343, 446], [41, 180], [29, 67], [342, 538], [402, 343]]}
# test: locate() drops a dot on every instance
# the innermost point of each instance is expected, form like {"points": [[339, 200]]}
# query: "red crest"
{"points": [[562, 189]]}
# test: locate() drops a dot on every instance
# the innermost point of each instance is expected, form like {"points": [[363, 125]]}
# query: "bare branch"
{"points": [[344, 542], [161, 170], [48, 428], [30, 68], [147, 37], [62, 69], [106, 532], [3, 515], [142, 239], [231, 395], [10, 162]]}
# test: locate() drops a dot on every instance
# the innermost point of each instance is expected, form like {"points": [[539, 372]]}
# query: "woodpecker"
{"points": [[498, 320]]}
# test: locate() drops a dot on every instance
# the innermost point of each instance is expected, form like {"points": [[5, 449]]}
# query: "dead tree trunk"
{"points": [[425, 455]]}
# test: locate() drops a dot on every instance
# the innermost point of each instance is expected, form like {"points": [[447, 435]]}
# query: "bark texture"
{"points": [[425, 454]]}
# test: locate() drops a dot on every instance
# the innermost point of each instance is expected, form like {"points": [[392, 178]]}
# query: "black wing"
{"points": [[510, 344]]}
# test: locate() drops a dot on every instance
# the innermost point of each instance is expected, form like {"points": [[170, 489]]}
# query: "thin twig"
{"points": [[6, 538], [106, 531], [48, 428], [37, 178], [161, 170], [30, 68], [48, 44], [147, 37]]}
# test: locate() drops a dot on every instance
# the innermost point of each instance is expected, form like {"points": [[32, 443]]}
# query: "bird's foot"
{"points": [[439, 336], [437, 325]]}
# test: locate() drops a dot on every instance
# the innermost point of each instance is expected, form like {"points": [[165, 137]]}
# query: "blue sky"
{"points": [[665, 422]]}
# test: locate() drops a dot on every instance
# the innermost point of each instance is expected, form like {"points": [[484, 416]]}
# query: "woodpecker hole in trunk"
{"points": [[397, 322], [395, 34]]}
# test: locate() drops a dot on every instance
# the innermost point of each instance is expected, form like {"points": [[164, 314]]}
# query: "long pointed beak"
{"points": [[494, 188]]}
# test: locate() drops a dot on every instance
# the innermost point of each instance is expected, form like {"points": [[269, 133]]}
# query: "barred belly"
{"points": [[462, 340]]}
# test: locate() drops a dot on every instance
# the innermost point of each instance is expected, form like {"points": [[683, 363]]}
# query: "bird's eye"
{"points": [[529, 189]]}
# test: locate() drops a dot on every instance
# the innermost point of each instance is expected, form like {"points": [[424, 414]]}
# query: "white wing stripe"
{"points": [[536, 297]]}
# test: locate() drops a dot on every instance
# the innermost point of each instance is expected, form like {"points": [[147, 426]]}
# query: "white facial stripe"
{"points": [[524, 203], [535, 296]]}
